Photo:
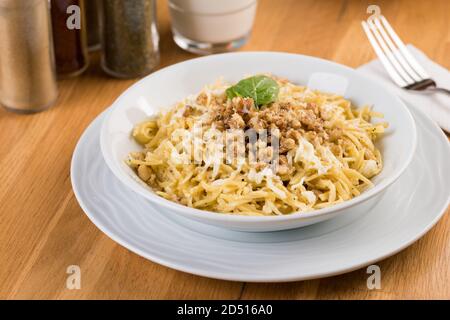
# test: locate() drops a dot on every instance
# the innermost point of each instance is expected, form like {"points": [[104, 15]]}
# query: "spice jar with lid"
{"points": [[27, 70], [70, 38], [129, 38]]}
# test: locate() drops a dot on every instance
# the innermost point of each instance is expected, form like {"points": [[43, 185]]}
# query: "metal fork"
{"points": [[401, 66]]}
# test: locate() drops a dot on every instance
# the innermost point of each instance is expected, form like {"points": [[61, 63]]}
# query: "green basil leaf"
{"points": [[262, 89]]}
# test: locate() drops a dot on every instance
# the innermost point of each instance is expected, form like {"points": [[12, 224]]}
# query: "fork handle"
{"points": [[437, 89]]}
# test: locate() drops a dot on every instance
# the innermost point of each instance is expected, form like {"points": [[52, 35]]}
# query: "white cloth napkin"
{"points": [[435, 105]]}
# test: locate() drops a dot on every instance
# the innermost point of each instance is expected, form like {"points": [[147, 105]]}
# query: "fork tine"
{"points": [[387, 65], [389, 54], [411, 60], [397, 52]]}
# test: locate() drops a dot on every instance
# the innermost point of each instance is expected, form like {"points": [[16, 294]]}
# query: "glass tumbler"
{"points": [[211, 26]]}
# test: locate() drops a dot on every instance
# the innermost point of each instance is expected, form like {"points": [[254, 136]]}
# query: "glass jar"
{"points": [[27, 70], [130, 38], [70, 40]]}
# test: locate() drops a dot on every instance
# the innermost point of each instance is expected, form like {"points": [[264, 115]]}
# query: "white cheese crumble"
{"points": [[369, 168], [305, 153], [310, 196]]}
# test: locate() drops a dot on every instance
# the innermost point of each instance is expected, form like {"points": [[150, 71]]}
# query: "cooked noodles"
{"points": [[325, 152]]}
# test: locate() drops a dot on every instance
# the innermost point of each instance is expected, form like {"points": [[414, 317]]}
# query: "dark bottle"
{"points": [[69, 37], [92, 13]]}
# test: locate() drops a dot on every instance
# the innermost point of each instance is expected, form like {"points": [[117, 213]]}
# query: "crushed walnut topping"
{"points": [[287, 120], [292, 120]]}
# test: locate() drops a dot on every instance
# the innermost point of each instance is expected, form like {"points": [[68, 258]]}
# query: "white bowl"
{"points": [[162, 89]]}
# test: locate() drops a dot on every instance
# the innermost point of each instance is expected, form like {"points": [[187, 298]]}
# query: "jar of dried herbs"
{"points": [[129, 38]]}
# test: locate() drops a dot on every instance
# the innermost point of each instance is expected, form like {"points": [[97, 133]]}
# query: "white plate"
{"points": [[408, 209], [161, 89]]}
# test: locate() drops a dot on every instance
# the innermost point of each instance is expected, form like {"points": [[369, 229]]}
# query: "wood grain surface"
{"points": [[43, 229]]}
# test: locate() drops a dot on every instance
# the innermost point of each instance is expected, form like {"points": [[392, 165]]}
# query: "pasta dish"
{"points": [[263, 146]]}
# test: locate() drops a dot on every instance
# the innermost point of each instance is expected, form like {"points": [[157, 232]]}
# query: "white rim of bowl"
{"points": [[227, 217]]}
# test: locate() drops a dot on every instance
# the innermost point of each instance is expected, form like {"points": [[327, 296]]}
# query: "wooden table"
{"points": [[43, 229]]}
